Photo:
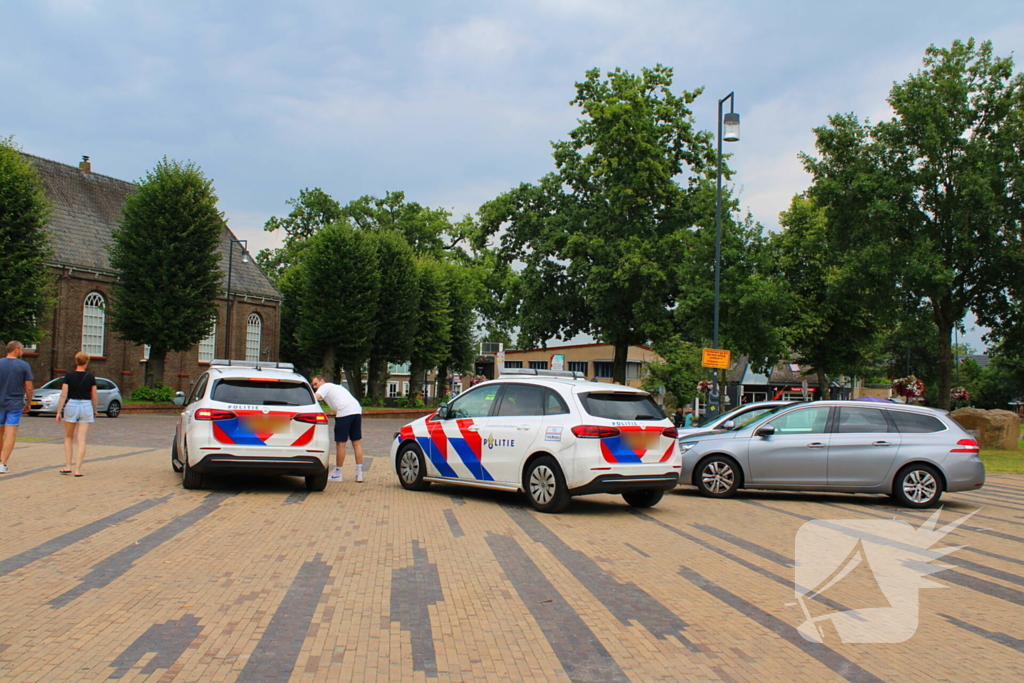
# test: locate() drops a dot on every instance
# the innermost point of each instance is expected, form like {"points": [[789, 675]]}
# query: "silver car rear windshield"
{"points": [[256, 392], [621, 406]]}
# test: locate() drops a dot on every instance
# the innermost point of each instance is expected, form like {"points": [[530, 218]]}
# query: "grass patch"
{"points": [[36, 439], [1003, 462]]}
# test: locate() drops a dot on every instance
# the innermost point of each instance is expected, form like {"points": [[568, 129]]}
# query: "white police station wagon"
{"points": [[547, 434], [244, 416]]}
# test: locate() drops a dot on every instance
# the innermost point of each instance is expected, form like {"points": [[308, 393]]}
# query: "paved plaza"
{"points": [[124, 575]]}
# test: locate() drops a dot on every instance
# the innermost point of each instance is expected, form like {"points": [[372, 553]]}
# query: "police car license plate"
{"points": [[639, 441], [267, 424]]}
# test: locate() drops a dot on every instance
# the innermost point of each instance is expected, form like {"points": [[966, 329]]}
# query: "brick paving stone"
{"points": [[181, 589]]}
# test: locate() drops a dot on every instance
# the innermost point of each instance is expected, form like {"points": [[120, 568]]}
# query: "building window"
{"points": [[633, 369], [208, 346], [578, 366], [146, 348], [603, 369], [94, 322], [392, 389], [405, 388], [253, 337], [513, 364], [538, 365]]}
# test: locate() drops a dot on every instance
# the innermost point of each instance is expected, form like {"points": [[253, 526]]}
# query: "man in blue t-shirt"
{"points": [[15, 394]]}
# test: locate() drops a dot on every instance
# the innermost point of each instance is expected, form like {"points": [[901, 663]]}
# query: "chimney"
{"points": [[85, 165]]}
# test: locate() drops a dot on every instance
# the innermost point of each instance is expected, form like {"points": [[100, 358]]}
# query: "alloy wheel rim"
{"points": [[410, 467], [920, 486], [718, 477], [542, 484]]}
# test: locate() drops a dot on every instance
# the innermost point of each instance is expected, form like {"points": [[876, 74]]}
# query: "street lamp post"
{"points": [[245, 259], [731, 134]]}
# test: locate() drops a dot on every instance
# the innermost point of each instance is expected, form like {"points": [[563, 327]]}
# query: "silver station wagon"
{"points": [[909, 452]]}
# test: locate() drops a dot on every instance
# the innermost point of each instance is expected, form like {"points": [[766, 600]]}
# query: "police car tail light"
{"points": [[594, 432], [214, 414], [670, 432], [966, 446], [311, 418]]}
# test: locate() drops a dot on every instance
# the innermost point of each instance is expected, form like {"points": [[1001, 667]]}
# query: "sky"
{"points": [[450, 101]]}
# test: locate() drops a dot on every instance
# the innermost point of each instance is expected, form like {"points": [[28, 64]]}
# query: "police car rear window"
{"points": [[622, 406], [256, 392]]}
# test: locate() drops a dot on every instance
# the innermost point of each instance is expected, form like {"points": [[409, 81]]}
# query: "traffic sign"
{"points": [[716, 358]]}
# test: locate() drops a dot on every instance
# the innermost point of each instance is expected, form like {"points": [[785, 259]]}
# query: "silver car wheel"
{"points": [[718, 477], [542, 484], [920, 486], [410, 466]]}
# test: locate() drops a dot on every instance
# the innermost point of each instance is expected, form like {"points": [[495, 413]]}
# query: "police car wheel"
{"points": [[317, 482], [643, 499], [190, 479], [411, 467], [545, 485], [718, 477], [175, 462]]}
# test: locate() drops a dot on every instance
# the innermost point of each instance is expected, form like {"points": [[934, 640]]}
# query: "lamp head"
{"points": [[731, 127]]}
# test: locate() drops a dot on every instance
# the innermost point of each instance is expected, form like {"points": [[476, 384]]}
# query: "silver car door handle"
{"points": [[523, 427], [816, 444], [881, 443], [473, 428]]}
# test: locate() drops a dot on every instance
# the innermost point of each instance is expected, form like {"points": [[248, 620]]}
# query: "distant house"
{"points": [[86, 209]]}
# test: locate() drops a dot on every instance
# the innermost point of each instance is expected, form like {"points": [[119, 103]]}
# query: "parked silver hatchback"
{"points": [[909, 452]]}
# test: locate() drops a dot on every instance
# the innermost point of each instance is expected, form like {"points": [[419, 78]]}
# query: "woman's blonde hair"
{"points": [[81, 358]]}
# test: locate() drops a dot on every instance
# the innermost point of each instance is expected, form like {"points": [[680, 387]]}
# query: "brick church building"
{"points": [[86, 208]]}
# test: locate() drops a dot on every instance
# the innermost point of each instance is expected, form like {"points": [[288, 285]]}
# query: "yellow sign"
{"points": [[716, 358]]}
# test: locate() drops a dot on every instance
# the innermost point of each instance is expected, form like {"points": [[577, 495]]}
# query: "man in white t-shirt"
{"points": [[348, 423]]}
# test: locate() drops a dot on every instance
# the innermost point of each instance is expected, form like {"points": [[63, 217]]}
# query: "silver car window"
{"points": [[810, 420], [861, 421], [916, 423]]}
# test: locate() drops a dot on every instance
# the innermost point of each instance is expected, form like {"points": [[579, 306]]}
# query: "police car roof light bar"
{"points": [[252, 364], [544, 373]]}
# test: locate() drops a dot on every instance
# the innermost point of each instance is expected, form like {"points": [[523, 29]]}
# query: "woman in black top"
{"points": [[77, 409]]}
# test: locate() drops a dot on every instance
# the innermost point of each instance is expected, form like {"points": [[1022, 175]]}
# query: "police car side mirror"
{"points": [[179, 398], [442, 411], [767, 430]]}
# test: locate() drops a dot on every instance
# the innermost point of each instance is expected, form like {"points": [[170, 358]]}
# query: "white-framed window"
{"points": [[392, 389], [94, 323], [633, 369], [146, 348], [456, 389], [208, 346], [405, 388], [253, 337]]}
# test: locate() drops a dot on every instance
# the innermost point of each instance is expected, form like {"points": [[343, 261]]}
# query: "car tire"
{"points": [[545, 485], [917, 486], [317, 482], [718, 476], [643, 499], [114, 409], [411, 467], [175, 460], [190, 479]]}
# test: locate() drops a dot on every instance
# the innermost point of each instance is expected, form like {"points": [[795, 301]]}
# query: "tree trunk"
{"points": [[328, 364], [155, 367], [354, 375], [415, 383], [377, 371], [619, 366], [442, 383], [822, 386], [945, 325]]}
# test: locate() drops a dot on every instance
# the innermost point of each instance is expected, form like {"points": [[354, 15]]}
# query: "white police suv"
{"points": [[545, 433], [244, 416]]}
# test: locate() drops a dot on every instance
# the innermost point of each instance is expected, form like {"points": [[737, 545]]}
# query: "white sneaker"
{"points": [[359, 476], [335, 475], [3, 469]]}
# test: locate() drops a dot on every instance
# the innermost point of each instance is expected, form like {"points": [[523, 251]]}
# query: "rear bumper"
{"points": [[300, 465], [623, 483]]}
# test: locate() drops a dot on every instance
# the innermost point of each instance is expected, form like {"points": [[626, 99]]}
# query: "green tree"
{"points": [[431, 329], [833, 327], [679, 371], [24, 249], [313, 210], [935, 193], [428, 231], [165, 252], [599, 237], [396, 308], [462, 289], [336, 300]]}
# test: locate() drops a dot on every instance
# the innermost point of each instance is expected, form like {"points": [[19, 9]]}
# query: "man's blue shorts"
{"points": [[10, 418], [348, 427]]}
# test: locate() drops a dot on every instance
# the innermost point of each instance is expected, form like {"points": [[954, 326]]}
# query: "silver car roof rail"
{"points": [[259, 365], [573, 374]]}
